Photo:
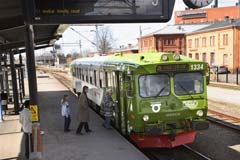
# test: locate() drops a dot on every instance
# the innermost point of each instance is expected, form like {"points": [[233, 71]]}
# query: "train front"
{"points": [[171, 103]]}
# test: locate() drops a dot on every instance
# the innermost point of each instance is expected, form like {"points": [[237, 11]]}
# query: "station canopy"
{"points": [[12, 28], [47, 16]]}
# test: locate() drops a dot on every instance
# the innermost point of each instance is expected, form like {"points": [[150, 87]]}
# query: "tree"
{"points": [[104, 40]]}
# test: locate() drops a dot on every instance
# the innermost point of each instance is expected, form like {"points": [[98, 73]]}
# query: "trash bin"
{"points": [[4, 103]]}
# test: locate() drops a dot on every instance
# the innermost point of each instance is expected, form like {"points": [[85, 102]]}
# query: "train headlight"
{"points": [[176, 57], [200, 113], [164, 57], [145, 118]]}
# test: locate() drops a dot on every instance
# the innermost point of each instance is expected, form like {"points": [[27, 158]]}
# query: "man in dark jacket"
{"points": [[108, 108]]}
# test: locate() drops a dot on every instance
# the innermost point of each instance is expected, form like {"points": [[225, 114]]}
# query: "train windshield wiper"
{"points": [[158, 94], [186, 91]]}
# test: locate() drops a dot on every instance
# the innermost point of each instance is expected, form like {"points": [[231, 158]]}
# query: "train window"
{"points": [[87, 75], [154, 85], [83, 75], [188, 83], [95, 78], [80, 73], [73, 71], [110, 79], [101, 80], [91, 76], [106, 79]]}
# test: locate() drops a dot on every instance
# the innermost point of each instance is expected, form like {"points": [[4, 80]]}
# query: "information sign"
{"points": [[101, 11]]}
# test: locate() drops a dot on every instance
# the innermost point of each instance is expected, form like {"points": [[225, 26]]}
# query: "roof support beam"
{"points": [[19, 44]]}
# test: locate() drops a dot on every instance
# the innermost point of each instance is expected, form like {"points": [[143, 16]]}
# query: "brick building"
{"points": [[207, 15], [168, 39], [217, 44], [130, 49]]}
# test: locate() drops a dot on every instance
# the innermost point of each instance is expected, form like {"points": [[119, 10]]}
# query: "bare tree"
{"points": [[104, 40]]}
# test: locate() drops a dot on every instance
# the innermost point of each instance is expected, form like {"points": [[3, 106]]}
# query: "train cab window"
{"points": [[188, 83], [154, 85]]}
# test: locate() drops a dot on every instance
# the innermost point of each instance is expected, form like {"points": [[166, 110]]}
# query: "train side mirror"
{"points": [[129, 94]]}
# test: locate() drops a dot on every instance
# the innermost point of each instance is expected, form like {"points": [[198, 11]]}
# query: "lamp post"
{"points": [[97, 38]]}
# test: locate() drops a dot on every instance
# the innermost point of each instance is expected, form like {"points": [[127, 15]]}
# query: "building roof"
{"points": [[178, 29], [220, 24]]}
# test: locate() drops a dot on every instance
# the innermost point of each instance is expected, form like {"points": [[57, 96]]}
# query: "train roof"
{"points": [[133, 60]]}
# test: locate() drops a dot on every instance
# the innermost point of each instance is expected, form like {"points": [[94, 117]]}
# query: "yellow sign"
{"points": [[34, 113]]}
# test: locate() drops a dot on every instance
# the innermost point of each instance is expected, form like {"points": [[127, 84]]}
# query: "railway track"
{"points": [[180, 153], [224, 119]]}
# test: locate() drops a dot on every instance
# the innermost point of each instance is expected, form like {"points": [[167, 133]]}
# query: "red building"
{"points": [[206, 15], [168, 39]]}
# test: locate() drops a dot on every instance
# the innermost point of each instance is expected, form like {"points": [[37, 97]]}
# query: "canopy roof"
{"points": [[12, 27]]}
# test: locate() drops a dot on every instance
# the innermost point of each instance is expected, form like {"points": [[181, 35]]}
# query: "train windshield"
{"points": [[188, 83], [154, 85]]}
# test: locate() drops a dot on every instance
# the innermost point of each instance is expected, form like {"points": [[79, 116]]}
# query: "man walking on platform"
{"points": [[25, 120]]}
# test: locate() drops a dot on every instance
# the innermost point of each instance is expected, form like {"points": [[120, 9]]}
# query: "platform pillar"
{"points": [[14, 83], [22, 75]]}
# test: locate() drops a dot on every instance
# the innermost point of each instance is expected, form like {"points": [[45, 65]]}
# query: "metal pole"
{"points": [[22, 75], [1, 74], [217, 75], [227, 76], [31, 68], [6, 74], [237, 77], [97, 40], [140, 32], [14, 83], [20, 86]]}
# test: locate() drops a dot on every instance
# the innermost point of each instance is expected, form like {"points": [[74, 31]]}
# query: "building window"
{"points": [[212, 62], [204, 57], [225, 60], [225, 39], [196, 42], [197, 56], [190, 43], [204, 41], [190, 55], [212, 40]]}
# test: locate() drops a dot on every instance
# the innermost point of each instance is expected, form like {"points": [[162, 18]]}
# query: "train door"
{"points": [[117, 99]]}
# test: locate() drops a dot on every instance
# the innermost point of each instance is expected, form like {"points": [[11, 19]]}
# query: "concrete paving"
{"points": [[11, 138], [102, 144]]}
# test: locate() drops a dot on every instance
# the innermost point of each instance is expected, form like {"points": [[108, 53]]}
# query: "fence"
{"points": [[225, 77]]}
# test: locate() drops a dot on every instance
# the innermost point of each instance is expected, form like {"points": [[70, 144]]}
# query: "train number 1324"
{"points": [[195, 67]]}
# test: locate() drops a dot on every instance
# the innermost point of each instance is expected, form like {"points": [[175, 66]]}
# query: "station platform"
{"points": [[101, 144]]}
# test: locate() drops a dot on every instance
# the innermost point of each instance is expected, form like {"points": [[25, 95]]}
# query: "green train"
{"points": [[161, 98]]}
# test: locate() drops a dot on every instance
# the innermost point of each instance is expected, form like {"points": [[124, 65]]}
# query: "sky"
{"points": [[123, 33]]}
